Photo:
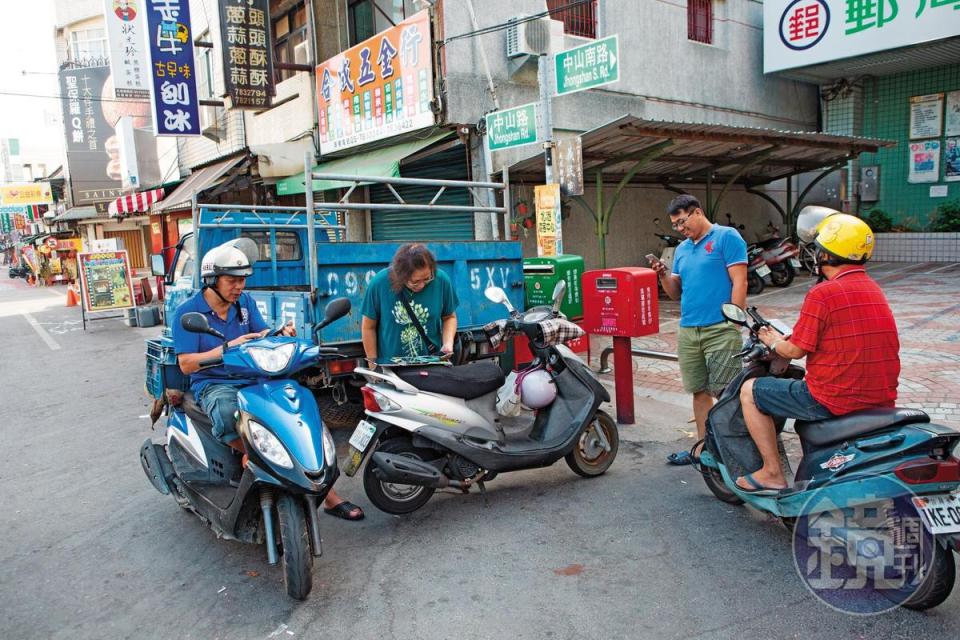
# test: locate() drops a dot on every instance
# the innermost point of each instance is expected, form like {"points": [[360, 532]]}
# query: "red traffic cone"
{"points": [[72, 298]]}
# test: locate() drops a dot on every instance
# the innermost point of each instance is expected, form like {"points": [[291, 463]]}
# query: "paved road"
{"points": [[90, 550]]}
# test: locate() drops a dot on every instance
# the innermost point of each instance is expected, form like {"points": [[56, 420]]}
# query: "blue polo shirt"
{"points": [[249, 321], [702, 267]]}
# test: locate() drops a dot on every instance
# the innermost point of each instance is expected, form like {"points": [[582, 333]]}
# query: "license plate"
{"points": [[794, 263], [940, 513], [763, 271], [362, 435]]}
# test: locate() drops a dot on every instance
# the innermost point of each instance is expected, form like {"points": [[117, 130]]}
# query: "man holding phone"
{"points": [[709, 269]]}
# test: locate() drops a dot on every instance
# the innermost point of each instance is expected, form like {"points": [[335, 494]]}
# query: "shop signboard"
{"points": [[924, 161], [93, 155], [379, 88], [952, 115], [951, 159], [247, 63], [588, 66], [176, 106], [513, 127], [128, 55], [28, 193], [105, 283], [569, 160], [549, 231], [800, 33]]}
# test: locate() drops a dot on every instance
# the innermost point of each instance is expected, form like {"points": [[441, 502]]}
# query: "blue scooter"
{"points": [[290, 463], [890, 457]]}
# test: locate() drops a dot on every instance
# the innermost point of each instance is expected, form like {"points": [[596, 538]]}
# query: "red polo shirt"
{"points": [[848, 331]]}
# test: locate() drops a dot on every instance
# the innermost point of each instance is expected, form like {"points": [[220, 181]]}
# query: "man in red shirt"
{"points": [[846, 331]]}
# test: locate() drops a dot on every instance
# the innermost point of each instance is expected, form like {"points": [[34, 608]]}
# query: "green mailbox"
{"points": [[540, 275]]}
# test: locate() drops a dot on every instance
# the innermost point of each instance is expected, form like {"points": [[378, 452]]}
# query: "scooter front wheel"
{"points": [[589, 457], [297, 560], [391, 497]]}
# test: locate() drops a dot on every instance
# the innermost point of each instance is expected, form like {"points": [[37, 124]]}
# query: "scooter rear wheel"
{"points": [[755, 283], [714, 482], [783, 277], [297, 560], [393, 498], [588, 457]]}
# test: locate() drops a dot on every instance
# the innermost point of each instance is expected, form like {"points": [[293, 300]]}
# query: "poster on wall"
{"points": [[951, 160], [378, 88], [926, 116], [105, 282], [924, 161], [952, 116], [549, 231]]}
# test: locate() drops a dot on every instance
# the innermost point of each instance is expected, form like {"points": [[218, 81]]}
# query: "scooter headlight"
{"points": [[269, 446], [329, 448], [273, 359]]}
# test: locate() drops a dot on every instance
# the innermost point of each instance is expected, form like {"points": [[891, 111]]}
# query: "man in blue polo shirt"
{"points": [[709, 269], [233, 313]]}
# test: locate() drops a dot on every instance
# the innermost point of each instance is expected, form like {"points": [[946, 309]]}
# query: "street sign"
{"points": [[588, 66], [512, 127]]}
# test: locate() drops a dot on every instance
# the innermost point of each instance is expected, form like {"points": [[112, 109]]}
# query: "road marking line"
{"points": [[42, 332], [952, 264], [896, 271]]}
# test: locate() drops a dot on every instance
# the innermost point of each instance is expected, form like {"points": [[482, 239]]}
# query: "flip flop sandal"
{"points": [[680, 458], [758, 489], [344, 509]]}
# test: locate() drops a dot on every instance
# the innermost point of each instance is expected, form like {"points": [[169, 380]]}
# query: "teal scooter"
{"points": [[889, 461]]}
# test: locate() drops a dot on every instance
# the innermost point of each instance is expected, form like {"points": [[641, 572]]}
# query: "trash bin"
{"points": [[540, 276]]}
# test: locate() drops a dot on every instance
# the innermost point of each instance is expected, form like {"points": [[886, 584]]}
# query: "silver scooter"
{"points": [[430, 427]]}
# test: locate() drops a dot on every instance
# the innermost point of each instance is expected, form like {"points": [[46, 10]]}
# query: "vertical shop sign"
{"points": [[173, 82], [247, 63], [924, 161], [105, 281], [549, 232], [569, 158], [379, 88], [128, 55], [93, 157]]}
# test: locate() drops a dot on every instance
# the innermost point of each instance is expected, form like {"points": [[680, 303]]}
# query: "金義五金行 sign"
{"points": [[379, 88]]}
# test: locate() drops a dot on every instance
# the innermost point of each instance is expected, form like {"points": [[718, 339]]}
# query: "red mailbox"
{"points": [[622, 303]]}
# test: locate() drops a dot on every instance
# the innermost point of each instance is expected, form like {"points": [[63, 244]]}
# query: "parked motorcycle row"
{"points": [[431, 426]]}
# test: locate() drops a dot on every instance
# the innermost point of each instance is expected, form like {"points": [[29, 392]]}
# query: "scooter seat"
{"points": [[858, 423], [466, 381], [192, 408]]}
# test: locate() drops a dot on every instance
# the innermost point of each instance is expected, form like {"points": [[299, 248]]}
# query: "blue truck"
{"points": [[291, 282]]}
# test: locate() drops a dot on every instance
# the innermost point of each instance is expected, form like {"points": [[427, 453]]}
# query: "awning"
{"points": [[383, 162], [135, 202], [77, 213], [196, 182]]}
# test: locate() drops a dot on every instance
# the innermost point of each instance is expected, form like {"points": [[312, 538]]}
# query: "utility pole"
{"points": [[545, 78]]}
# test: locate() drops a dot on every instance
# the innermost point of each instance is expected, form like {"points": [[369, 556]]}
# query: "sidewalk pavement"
{"points": [[925, 299]]}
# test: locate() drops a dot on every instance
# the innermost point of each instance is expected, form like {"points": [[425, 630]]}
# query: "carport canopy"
{"points": [[677, 155]]}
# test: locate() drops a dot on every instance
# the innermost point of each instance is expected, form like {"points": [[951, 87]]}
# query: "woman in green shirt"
{"points": [[410, 291]]}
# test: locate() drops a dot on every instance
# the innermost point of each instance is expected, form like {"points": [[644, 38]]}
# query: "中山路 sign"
{"points": [[800, 33], [379, 88]]}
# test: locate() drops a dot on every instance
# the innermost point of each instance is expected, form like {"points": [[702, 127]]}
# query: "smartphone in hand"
{"points": [[652, 259]]}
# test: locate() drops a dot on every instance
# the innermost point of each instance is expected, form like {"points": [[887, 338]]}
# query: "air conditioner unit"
{"points": [[534, 37], [301, 53], [211, 123]]}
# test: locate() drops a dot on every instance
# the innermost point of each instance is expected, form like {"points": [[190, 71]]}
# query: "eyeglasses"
{"points": [[420, 283], [682, 221]]}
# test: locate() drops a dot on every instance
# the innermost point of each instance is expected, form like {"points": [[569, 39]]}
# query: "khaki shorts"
{"points": [[705, 356]]}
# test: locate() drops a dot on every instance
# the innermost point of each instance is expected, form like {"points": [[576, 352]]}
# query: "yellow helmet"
{"points": [[845, 237]]}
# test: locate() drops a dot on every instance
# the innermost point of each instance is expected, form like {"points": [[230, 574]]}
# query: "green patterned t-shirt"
{"points": [[396, 334]]}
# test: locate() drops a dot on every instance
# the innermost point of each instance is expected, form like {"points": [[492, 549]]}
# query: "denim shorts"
{"points": [[219, 402], [787, 398]]}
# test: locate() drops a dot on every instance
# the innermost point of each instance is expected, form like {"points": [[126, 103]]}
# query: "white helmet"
{"points": [[233, 258], [537, 389]]}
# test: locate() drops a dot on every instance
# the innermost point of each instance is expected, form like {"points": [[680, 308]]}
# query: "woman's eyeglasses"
{"points": [[419, 283]]}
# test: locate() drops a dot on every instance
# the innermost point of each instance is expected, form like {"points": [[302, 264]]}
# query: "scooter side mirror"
{"points": [[197, 323], [734, 314], [558, 291], [335, 309], [498, 295]]}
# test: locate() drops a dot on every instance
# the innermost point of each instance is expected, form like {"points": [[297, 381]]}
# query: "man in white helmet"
{"points": [[223, 272]]}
